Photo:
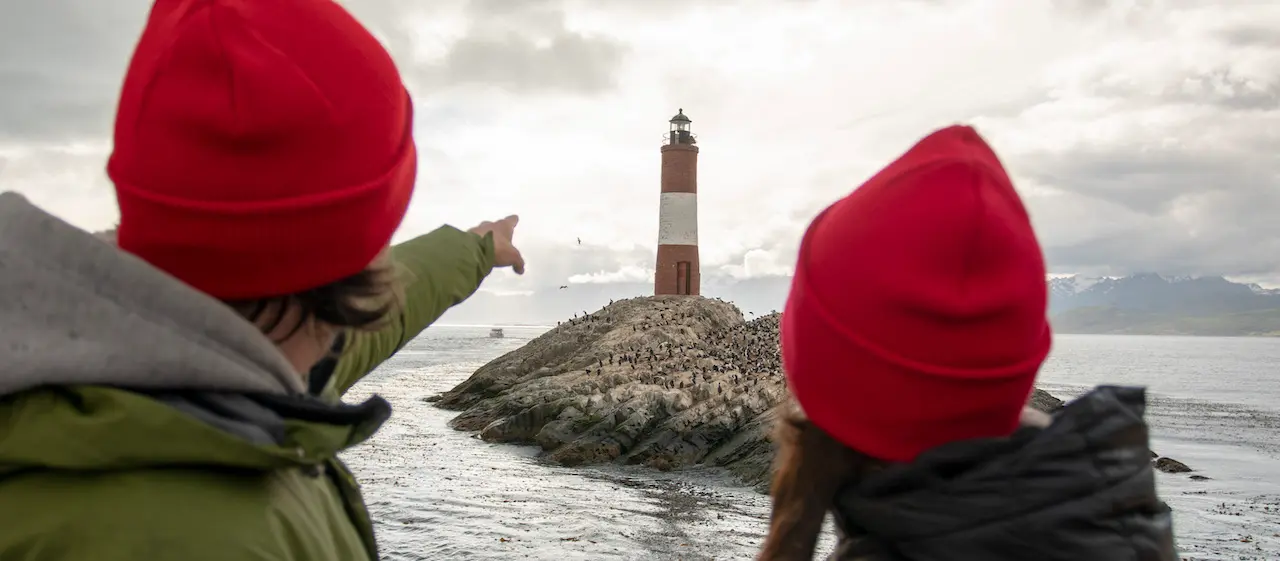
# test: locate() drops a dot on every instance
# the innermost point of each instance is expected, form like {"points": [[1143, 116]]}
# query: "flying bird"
{"points": [[564, 286], [579, 241]]}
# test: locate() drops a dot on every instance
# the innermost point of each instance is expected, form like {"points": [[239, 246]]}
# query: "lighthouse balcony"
{"points": [[679, 137]]}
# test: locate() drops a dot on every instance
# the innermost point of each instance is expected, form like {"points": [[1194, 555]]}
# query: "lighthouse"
{"points": [[677, 270]]}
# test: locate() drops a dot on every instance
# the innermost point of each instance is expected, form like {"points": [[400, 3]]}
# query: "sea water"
{"points": [[436, 493]]}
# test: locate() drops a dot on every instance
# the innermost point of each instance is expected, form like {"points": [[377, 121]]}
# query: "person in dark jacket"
{"points": [[911, 340]]}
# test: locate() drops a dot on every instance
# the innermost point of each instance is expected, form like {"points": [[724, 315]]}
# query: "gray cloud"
{"points": [[1196, 193], [1145, 179], [1251, 36], [1081, 7], [61, 65], [1197, 196], [1195, 208], [571, 63], [523, 47], [62, 61], [1138, 10], [1220, 87], [1233, 232], [1156, 246], [544, 16]]}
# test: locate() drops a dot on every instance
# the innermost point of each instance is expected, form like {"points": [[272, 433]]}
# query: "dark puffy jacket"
{"points": [[1080, 489]]}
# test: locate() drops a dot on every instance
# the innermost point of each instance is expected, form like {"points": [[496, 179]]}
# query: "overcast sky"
{"points": [[1144, 134]]}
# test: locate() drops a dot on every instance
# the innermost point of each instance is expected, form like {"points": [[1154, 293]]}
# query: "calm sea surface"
{"points": [[440, 494]]}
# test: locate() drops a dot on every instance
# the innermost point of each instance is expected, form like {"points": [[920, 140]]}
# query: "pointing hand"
{"points": [[505, 253]]}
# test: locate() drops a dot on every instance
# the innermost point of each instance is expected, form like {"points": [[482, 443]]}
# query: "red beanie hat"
{"points": [[917, 314], [261, 148]]}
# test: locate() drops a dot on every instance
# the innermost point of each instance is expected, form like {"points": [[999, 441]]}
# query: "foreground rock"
{"points": [[666, 381]]}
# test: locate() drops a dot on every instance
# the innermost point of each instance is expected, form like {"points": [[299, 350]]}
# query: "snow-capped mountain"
{"points": [[1266, 291], [1151, 292], [1066, 287]]}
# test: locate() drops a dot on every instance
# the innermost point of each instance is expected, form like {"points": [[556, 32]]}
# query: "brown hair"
{"points": [[361, 301], [810, 469]]}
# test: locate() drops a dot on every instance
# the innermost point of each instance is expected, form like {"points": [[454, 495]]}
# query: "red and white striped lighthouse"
{"points": [[677, 267]]}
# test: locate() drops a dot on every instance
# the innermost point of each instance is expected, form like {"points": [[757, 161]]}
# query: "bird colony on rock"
{"points": [[665, 381]]}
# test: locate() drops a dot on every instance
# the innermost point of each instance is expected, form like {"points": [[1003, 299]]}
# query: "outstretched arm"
{"points": [[438, 271]]}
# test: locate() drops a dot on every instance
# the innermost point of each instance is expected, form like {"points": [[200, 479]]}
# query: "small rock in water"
{"points": [[1170, 465], [1042, 401]]}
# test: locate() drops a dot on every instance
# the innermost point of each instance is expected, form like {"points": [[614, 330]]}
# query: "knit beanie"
{"points": [[262, 148], [917, 313]]}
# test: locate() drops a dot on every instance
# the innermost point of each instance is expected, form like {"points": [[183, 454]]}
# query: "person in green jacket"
{"points": [[437, 271], [155, 400]]}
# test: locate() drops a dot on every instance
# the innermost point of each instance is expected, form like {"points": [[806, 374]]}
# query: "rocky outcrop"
{"points": [[665, 381]]}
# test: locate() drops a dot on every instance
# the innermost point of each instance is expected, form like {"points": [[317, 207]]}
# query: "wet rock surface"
{"points": [[1041, 400], [667, 382], [1170, 465]]}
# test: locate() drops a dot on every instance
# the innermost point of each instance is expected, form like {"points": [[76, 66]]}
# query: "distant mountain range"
{"points": [[1140, 304], [1161, 305]]}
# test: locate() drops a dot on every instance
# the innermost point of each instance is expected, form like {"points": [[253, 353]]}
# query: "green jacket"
{"points": [[142, 420], [438, 271]]}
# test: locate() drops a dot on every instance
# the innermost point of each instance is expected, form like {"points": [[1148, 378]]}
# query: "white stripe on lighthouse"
{"points": [[678, 219]]}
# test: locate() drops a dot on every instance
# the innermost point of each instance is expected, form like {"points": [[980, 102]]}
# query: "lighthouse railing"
{"points": [[692, 138]]}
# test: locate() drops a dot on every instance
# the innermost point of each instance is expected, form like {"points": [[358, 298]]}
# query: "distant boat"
{"points": [[496, 333]]}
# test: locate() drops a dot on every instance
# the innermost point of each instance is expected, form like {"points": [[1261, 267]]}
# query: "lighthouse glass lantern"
{"points": [[680, 132]]}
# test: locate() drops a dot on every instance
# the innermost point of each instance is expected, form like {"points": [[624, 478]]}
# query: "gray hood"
{"points": [[77, 311]]}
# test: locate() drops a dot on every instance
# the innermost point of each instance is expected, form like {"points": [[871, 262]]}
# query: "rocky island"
{"points": [[666, 381]]}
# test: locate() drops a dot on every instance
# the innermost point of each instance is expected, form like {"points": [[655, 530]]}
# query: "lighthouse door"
{"points": [[683, 269]]}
